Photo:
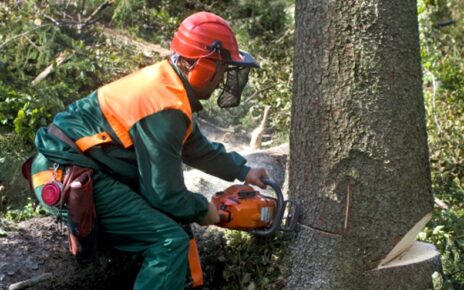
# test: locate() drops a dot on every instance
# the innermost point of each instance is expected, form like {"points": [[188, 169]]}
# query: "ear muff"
{"points": [[202, 73]]}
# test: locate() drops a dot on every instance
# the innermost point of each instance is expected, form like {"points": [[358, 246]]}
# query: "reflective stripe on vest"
{"points": [[152, 89], [46, 176], [87, 142]]}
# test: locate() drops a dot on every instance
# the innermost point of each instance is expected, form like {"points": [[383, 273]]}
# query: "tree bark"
{"points": [[358, 143]]}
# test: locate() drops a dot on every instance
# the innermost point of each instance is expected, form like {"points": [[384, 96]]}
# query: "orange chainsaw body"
{"points": [[241, 207]]}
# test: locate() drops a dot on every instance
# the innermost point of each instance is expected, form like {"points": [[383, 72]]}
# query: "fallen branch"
{"points": [[21, 35], [92, 16], [53, 20], [440, 203], [62, 57], [30, 282], [257, 92], [79, 25]]}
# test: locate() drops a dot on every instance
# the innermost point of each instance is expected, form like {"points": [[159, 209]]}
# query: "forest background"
{"points": [[54, 52]]}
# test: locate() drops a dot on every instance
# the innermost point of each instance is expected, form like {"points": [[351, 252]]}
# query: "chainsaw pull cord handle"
{"points": [[278, 214]]}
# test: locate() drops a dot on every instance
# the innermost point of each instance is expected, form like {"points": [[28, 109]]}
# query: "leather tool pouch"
{"points": [[77, 198]]}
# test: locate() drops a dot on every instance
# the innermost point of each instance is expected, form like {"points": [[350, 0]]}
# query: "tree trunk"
{"points": [[358, 147]]}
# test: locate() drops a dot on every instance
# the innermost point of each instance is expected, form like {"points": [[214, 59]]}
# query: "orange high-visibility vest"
{"points": [[126, 101]]}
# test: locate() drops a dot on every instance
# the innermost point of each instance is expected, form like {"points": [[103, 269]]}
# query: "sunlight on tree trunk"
{"points": [[358, 147]]}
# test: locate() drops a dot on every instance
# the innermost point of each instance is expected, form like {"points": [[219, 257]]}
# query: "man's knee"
{"points": [[178, 241]]}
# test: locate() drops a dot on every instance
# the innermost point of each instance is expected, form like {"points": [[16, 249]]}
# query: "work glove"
{"points": [[256, 176]]}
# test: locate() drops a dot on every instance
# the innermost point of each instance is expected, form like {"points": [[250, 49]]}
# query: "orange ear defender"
{"points": [[202, 73]]}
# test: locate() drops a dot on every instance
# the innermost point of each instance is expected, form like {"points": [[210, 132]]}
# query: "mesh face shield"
{"points": [[235, 81]]}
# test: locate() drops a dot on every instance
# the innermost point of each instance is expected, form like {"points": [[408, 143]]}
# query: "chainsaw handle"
{"points": [[280, 208], [224, 216]]}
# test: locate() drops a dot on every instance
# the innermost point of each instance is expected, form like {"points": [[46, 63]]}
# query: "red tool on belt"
{"points": [[241, 207]]}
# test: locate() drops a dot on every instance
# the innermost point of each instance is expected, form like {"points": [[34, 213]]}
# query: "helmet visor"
{"points": [[236, 80], [246, 59]]}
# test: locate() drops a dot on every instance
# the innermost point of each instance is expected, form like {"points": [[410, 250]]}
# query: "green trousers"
{"points": [[130, 224]]}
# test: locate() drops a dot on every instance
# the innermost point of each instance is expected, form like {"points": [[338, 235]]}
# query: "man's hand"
{"points": [[212, 217], [256, 176]]}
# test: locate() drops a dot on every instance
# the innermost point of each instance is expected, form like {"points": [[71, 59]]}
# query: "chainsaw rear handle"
{"points": [[280, 208], [224, 215]]}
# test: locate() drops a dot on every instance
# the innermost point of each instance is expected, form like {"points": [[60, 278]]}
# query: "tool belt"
{"points": [[76, 196]]}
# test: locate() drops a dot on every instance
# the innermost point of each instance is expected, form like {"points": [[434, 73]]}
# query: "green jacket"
{"points": [[153, 164]]}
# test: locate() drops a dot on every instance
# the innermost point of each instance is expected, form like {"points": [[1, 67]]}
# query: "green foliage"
{"points": [[10, 103], [13, 188], [155, 21], [30, 118], [33, 35], [254, 262], [442, 33], [30, 210], [446, 231], [29, 43], [5, 226]]}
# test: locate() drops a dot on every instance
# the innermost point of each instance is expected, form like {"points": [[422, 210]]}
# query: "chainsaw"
{"points": [[241, 207]]}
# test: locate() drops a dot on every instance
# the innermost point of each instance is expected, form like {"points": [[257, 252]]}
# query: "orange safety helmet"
{"points": [[208, 38]]}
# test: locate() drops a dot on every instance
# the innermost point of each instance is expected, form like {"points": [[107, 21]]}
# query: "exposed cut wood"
{"points": [[416, 253], [412, 270], [407, 241]]}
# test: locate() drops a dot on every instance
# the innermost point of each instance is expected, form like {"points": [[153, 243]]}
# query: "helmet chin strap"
{"points": [[174, 59]]}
